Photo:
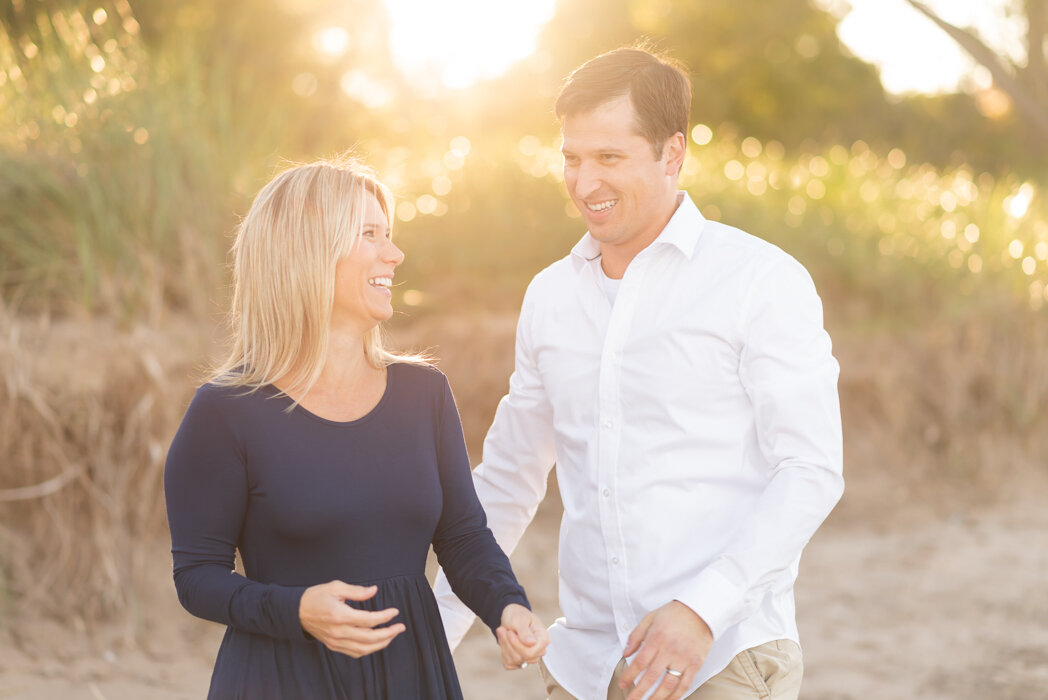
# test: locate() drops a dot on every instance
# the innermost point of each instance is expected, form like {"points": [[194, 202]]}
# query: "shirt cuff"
{"points": [[716, 600]]}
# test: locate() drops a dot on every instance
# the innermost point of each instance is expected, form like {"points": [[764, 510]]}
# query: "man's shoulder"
{"points": [[554, 277], [729, 242]]}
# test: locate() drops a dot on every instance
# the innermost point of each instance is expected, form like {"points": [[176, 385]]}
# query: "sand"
{"points": [[895, 600]]}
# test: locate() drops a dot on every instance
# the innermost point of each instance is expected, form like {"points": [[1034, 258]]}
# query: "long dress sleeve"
{"points": [[476, 567], [205, 484]]}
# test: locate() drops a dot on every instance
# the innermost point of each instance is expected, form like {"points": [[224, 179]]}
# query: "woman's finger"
{"points": [[367, 618]]}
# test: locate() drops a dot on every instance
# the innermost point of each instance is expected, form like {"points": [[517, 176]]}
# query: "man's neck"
{"points": [[614, 259]]}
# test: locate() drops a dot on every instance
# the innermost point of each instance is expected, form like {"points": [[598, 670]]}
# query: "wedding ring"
{"points": [[523, 664], [676, 674]]}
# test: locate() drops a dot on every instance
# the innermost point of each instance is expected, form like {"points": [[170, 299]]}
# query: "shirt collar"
{"points": [[682, 231]]}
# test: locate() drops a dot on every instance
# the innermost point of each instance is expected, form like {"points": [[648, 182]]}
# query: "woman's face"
{"points": [[363, 278]]}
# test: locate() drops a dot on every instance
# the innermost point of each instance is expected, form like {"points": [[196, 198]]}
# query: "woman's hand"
{"points": [[522, 637], [325, 615]]}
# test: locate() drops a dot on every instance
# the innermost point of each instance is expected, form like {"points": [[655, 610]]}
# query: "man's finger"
{"points": [[510, 658], [637, 667], [650, 677], [685, 682], [667, 687], [637, 636]]}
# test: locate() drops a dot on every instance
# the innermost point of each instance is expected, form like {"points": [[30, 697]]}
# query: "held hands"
{"points": [[324, 614], [522, 637], [673, 642]]}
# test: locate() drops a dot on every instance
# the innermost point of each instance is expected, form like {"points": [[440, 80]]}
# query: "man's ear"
{"points": [[673, 153]]}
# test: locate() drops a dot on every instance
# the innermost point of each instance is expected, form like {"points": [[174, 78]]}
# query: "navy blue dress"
{"points": [[307, 501]]}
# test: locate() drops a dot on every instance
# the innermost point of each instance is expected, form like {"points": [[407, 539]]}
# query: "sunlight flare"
{"points": [[459, 42]]}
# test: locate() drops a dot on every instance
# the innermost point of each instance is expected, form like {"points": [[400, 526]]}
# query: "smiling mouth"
{"points": [[385, 282], [601, 207]]}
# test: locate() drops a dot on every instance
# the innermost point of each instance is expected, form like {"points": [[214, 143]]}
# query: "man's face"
{"points": [[623, 192]]}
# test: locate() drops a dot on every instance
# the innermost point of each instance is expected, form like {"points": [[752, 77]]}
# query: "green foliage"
{"points": [[775, 71], [132, 135], [905, 240], [127, 148]]}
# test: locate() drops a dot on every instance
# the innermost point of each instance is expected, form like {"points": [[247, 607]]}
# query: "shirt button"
{"points": [[607, 424], [625, 627], [615, 561], [606, 492]]}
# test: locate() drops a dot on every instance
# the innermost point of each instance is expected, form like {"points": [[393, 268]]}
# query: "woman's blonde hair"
{"points": [[284, 257]]}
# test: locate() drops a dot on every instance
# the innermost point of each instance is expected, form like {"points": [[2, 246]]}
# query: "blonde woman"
{"points": [[332, 465]]}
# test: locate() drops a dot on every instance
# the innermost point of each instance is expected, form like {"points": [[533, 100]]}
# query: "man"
{"points": [[678, 373]]}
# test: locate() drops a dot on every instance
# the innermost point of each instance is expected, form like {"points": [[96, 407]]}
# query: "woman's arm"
{"points": [[477, 568], [205, 484]]}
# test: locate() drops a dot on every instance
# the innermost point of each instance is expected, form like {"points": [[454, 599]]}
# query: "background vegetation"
{"points": [[133, 132]]}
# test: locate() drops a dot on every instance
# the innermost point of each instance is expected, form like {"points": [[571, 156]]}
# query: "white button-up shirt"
{"points": [[696, 430]]}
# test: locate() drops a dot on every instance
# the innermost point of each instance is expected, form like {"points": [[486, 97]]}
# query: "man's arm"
{"points": [[518, 455], [790, 375]]}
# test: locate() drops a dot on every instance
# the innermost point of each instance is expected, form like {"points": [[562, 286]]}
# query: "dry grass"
{"points": [[953, 412], [950, 412], [88, 410]]}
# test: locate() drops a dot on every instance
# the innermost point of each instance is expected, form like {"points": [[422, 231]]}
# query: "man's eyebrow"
{"points": [[598, 149]]}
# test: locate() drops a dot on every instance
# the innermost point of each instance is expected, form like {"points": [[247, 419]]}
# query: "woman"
{"points": [[332, 465]]}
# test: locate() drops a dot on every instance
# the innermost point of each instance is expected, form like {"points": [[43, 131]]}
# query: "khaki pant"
{"points": [[770, 671]]}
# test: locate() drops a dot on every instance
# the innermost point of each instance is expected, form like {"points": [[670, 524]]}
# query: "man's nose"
{"points": [[587, 180]]}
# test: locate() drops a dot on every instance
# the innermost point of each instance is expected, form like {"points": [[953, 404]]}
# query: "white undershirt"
{"points": [[611, 287]]}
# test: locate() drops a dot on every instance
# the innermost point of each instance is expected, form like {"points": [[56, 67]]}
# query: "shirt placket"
{"points": [[609, 401]]}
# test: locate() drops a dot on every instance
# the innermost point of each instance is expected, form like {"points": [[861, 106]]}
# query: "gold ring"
{"points": [[675, 674]]}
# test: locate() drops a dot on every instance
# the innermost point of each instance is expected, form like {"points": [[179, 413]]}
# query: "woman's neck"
{"points": [[347, 388]]}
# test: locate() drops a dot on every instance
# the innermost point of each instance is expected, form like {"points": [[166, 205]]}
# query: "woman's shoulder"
{"points": [[222, 394], [418, 372], [421, 380]]}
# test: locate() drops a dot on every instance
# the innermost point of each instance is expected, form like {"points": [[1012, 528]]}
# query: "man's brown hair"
{"points": [[658, 87]]}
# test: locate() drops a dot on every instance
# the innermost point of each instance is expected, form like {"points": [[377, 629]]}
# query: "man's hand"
{"points": [[522, 637], [674, 638], [324, 614]]}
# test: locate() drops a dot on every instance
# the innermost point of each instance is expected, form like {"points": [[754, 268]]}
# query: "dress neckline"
{"points": [[301, 410]]}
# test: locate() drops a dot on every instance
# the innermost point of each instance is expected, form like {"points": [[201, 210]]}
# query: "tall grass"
{"points": [[123, 162]]}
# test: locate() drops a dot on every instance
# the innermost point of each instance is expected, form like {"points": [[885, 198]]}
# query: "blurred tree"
{"points": [[769, 70], [1026, 83]]}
